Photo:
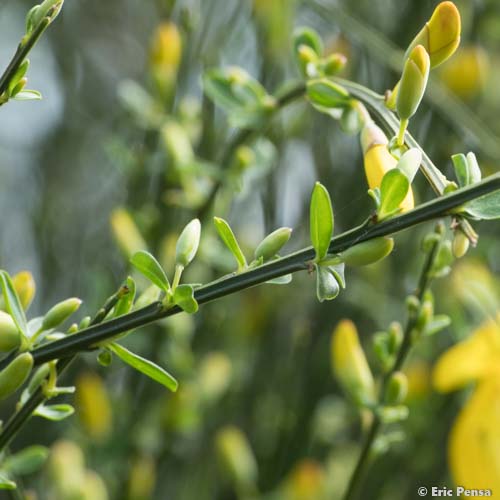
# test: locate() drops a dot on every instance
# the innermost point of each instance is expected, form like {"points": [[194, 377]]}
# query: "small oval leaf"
{"points": [[145, 263], [393, 191], [227, 236], [321, 220]]}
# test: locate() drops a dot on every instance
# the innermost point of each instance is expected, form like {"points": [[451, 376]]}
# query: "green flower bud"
{"points": [[105, 358], [397, 389], [25, 287], [413, 82], [460, 244], [441, 34], [395, 337], [393, 414], [14, 376], [47, 8], [367, 252], [10, 336], [84, 323], [60, 312], [350, 365], [334, 63], [187, 244], [273, 243]]}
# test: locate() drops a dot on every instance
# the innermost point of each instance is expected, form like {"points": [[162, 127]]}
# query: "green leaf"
{"points": [[281, 280], [55, 413], [145, 263], [321, 220], [28, 95], [436, 324], [485, 207], [26, 461], [12, 302], [227, 236], [393, 190], [145, 366], [327, 94], [125, 302], [184, 298], [5, 482], [461, 169], [327, 286]]}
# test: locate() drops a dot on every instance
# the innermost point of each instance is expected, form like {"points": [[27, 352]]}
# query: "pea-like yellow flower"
{"points": [[441, 34], [474, 442], [378, 160], [166, 48]]}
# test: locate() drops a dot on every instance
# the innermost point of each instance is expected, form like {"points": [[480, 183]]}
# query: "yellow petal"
{"points": [[470, 360], [474, 443]]}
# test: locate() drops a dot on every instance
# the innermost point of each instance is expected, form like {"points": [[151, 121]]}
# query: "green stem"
{"points": [[376, 425], [291, 263], [17, 421], [239, 138], [403, 125]]}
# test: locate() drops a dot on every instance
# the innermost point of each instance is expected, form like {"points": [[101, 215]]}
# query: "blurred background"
{"points": [[125, 134]]}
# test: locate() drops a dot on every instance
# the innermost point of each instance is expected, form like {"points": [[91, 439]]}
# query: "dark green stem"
{"points": [[19, 418], [376, 425], [291, 263]]}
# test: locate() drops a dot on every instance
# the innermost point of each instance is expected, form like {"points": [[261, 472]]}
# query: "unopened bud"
{"points": [[187, 244], [397, 389], [24, 284], [14, 376], [367, 252], [272, 243], [460, 244], [334, 64], [350, 365], [10, 336], [60, 312]]}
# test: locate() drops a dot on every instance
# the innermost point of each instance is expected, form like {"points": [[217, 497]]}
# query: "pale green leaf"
{"points": [[145, 263], [227, 236], [12, 302], [393, 190], [321, 220]]}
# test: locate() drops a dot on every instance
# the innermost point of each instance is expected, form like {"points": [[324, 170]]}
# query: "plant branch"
{"points": [[403, 352], [240, 137], [436, 208], [17, 421]]}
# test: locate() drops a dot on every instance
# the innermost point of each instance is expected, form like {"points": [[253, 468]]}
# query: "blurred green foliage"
{"points": [[124, 128]]}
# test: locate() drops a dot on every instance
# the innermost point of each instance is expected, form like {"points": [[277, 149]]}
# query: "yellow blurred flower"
{"points": [[307, 481], [474, 442], [126, 233]]}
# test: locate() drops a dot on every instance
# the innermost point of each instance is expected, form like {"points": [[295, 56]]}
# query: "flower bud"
{"points": [[93, 405], [165, 54], [460, 244], [413, 82], [236, 456], [441, 34], [24, 284], [367, 252], [126, 233], [378, 160], [187, 244], [10, 336], [334, 64], [60, 312], [14, 375], [273, 243], [349, 364], [39, 376], [397, 389]]}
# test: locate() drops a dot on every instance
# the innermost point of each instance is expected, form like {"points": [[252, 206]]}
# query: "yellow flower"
{"points": [[474, 442], [378, 160]]}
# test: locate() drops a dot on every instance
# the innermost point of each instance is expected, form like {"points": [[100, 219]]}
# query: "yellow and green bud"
{"points": [[187, 244], [349, 364], [441, 34], [126, 233], [378, 160], [10, 336], [15, 374], [413, 82], [272, 243], [60, 312], [24, 284], [460, 244], [367, 252], [397, 389]]}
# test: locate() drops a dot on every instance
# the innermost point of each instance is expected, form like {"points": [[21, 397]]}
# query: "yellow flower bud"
{"points": [[466, 74], [307, 481], [413, 82], [141, 478], [460, 244], [165, 53], [378, 160], [93, 405], [25, 287], [126, 233], [441, 34], [349, 364]]}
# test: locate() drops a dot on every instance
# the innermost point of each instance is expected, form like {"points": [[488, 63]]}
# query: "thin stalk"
{"points": [[297, 261], [17, 421], [376, 425], [239, 138]]}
